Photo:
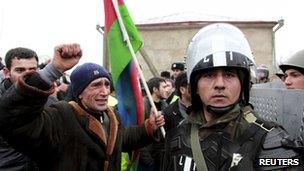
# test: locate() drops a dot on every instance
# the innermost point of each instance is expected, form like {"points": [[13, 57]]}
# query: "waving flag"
{"points": [[123, 70]]}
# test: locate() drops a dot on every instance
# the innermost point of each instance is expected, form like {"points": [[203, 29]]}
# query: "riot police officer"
{"points": [[263, 74], [177, 69], [222, 131], [293, 69]]}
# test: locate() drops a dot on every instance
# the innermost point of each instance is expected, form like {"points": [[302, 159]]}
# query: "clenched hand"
{"points": [[66, 56]]}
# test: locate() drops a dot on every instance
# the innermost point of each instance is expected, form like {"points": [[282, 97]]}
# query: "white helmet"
{"points": [[296, 61], [216, 46]]}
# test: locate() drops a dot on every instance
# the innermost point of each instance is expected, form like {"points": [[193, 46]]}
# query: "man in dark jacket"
{"points": [[84, 134], [174, 114], [17, 61], [177, 111], [148, 159]]}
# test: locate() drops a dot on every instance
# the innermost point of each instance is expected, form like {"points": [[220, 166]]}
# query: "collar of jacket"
{"points": [[198, 118], [96, 127]]}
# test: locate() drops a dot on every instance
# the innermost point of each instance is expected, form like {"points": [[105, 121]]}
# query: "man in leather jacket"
{"points": [[83, 134]]}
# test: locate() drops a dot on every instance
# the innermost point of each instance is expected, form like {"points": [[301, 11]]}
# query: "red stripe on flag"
{"points": [[137, 94], [110, 15]]}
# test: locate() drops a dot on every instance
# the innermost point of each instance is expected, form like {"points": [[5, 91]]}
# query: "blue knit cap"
{"points": [[84, 74]]}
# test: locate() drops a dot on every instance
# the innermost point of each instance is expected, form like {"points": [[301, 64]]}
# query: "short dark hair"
{"points": [[165, 74], [155, 82], [171, 81], [20, 53], [180, 81]]}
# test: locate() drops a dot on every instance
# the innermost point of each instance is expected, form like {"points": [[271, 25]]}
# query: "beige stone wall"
{"points": [[261, 43], [165, 47], [167, 44]]}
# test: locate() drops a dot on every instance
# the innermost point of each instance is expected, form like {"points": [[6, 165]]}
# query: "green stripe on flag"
{"points": [[119, 54]]}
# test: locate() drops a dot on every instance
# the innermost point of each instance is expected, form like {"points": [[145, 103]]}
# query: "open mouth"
{"points": [[101, 101]]}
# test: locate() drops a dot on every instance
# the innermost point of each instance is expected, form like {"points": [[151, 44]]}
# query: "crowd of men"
{"points": [[49, 122]]}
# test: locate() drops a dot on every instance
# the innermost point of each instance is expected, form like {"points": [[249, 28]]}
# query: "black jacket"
{"points": [[172, 115], [238, 132], [10, 158], [150, 157]]}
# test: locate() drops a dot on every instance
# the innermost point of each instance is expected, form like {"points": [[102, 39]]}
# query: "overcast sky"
{"points": [[42, 24]]}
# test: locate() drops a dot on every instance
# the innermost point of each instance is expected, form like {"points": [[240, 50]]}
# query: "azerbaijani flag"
{"points": [[123, 69]]}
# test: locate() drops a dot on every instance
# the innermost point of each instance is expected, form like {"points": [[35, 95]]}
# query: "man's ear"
{"points": [[154, 90], [6, 72], [183, 90]]}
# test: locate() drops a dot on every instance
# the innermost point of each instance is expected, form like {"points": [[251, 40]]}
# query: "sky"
{"points": [[42, 24]]}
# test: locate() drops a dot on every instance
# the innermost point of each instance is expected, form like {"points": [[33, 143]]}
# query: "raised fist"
{"points": [[66, 56]]}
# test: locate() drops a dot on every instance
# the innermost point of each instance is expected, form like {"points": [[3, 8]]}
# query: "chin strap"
{"points": [[220, 111]]}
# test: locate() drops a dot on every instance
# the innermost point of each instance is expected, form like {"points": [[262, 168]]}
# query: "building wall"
{"points": [[261, 43], [166, 44]]}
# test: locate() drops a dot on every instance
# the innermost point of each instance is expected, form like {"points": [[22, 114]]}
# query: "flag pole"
{"points": [[126, 39]]}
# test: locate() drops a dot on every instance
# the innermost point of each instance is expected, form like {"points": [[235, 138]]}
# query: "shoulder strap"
{"points": [[196, 149], [267, 126], [253, 131], [252, 139], [257, 128]]}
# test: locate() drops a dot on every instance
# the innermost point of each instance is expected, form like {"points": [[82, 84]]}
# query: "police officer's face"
{"points": [[219, 87], [294, 79], [176, 72], [19, 66], [95, 95]]}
